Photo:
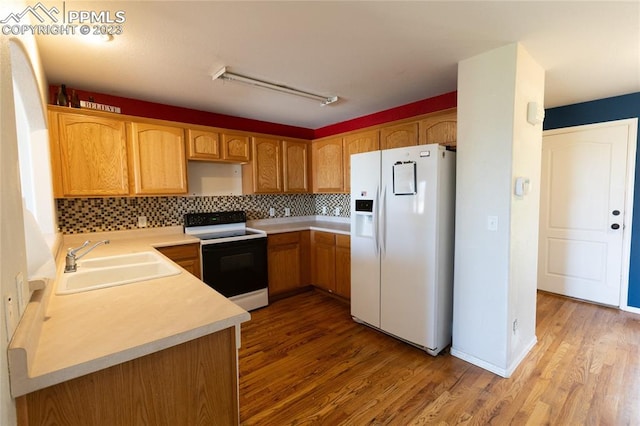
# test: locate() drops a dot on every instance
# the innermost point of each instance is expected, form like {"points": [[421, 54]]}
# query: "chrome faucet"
{"points": [[70, 260]]}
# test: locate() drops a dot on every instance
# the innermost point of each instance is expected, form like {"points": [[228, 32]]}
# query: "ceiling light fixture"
{"points": [[223, 74]]}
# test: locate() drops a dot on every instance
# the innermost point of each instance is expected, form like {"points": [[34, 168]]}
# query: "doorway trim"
{"points": [[632, 124]]}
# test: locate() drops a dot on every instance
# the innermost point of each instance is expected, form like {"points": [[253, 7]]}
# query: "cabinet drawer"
{"points": [[284, 238], [180, 252], [324, 237], [343, 241]]}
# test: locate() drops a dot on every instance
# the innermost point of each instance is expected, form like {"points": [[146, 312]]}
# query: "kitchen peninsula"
{"points": [[143, 351]]}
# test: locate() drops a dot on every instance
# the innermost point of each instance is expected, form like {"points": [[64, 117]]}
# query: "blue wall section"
{"points": [[616, 108]]}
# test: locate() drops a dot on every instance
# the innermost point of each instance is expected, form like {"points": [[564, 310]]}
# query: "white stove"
{"points": [[233, 258]]}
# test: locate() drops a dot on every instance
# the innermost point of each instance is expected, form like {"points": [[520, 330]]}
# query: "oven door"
{"points": [[237, 267]]}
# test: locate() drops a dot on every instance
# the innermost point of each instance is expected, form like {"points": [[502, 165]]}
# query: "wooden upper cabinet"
{"points": [[157, 158], [355, 144], [89, 155], [236, 147], [266, 167], [217, 145], [203, 145], [277, 166], [399, 136], [440, 128], [326, 156], [295, 166]]}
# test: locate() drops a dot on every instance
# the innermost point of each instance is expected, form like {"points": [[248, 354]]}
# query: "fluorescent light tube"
{"points": [[223, 74]]}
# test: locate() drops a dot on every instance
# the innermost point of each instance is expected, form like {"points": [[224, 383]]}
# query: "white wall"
{"points": [[495, 271], [12, 244], [208, 179], [526, 162]]}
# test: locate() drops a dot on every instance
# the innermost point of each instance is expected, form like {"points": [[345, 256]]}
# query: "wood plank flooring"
{"points": [[304, 361]]}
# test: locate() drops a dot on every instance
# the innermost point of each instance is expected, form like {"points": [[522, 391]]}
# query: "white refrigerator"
{"points": [[402, 234]]}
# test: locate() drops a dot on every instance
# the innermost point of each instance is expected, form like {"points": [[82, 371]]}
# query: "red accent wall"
{"points": [[437, 103], [140, 108]]}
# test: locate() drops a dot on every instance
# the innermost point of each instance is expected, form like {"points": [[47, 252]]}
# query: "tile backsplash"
{"points": [[78, 215]]}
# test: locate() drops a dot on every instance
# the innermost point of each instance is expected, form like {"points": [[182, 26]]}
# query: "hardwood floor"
{"points": [[304, 361]]}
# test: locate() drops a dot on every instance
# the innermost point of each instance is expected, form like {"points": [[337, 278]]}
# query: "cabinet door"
{"points": [[295, 166], [192, 383], [399, 136], [89, 155], [203, 145], [284, 262], [157, 158], [323, 251], [343, 265], [355, 144], [327, 166], [236, 147], [266, 166], [441, 129], [185, 255]]}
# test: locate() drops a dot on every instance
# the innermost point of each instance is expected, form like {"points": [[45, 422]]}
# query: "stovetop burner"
{"points": [[218, 227]]}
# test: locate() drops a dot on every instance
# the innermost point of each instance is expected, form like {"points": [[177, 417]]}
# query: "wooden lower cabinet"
{"points": [[185, 255], [288, 262], [331, 262], [343, 265], [194, 383]]}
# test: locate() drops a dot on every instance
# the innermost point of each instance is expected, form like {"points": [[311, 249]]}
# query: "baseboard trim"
{"points": [[500, 371]]}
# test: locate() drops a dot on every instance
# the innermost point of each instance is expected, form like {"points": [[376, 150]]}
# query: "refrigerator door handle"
{"points": [[376, 232], [383, 221]]}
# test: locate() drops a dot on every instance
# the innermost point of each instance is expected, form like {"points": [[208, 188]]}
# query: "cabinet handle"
{"points": [[616, 212], [615, 226]]}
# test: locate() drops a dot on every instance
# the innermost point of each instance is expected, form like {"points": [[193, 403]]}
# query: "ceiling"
{"points": [[374, 55]]}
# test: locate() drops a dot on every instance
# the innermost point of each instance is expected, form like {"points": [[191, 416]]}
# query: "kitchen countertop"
{"points": [[338, 225], [61, 337]]}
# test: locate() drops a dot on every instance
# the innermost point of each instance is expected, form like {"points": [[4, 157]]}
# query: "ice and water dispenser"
{"points": [[364, 218]]}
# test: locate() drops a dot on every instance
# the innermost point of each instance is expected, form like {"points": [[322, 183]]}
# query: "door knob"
{"points": [[615, 226]]}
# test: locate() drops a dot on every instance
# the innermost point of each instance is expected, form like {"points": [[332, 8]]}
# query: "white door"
{"points": [[582, 211]]}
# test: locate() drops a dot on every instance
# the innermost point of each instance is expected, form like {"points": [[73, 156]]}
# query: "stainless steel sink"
{"points": [[102, 272]]}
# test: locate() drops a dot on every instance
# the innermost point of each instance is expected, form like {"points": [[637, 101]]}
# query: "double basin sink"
{"points": [[102, 272]]}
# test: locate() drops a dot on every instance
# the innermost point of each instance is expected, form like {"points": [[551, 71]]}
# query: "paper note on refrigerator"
{"points": [[404, 178]]}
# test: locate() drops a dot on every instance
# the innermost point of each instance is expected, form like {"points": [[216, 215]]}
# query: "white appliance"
{"points": [[402, 234], [233, 259]]}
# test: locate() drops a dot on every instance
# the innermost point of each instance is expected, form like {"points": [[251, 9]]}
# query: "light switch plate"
{"points": [[9, 316], [492, 223]]}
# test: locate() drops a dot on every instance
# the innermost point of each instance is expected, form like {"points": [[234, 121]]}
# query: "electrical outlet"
{"points": [[272, 212], [142, 221], [324, 210], [337, 211], [287, 211]]}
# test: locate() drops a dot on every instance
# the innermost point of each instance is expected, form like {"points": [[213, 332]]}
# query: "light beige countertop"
{"points": [[61, 337], [338, 225]]}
